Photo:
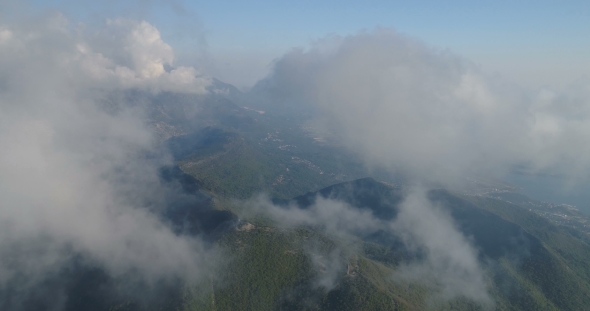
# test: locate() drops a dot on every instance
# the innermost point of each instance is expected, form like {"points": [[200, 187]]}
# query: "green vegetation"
{"points": [[558, 266], [530, 264], [235, 165], [274, 269]]}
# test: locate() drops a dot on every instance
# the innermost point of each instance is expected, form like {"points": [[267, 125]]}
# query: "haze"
{"points": [[435, 94]]}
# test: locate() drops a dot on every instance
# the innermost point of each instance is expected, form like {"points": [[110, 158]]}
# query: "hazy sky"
{"points": [[75, 172], [535, 43]]}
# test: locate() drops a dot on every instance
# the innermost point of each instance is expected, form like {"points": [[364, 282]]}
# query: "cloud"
{"points": [[561, 121], [78, 178], [131, 54], [435, 118], [336, 219], [5, 35], [450, 265], [344, 221], [123, 54], [428, 113]]}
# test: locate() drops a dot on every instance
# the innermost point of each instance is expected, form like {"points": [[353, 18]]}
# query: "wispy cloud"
{"points": [[429, 113], [80, 178], [449, 265]]}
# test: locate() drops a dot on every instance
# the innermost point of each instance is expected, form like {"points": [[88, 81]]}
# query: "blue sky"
{"points": [[534, 43]]}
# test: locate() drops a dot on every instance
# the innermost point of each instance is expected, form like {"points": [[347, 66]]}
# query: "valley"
{"points": [[275, 268]]}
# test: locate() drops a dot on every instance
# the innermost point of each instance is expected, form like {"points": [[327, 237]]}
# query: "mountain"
{"points": [[550, 261], [236, 152], [529, 262], [227, 150]]}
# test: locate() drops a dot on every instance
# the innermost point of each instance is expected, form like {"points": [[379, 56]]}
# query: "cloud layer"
{"points": [[449, 265], [123, 54], [79, 177], [435, 118], [429, 113]]}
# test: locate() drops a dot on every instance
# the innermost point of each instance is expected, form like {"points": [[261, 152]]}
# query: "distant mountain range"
{"points": [[530, 263], [225, 154]]}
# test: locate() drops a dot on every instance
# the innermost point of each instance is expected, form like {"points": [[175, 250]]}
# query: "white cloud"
{"points": [[148, 52], [5, 35], [450, 265], [75, 178], [430, 114], [124, 54], [143, 57]]}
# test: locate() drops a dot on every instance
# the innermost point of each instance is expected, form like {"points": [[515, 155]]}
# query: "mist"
{"points": [[428, 113], [79, 172], [434, 118], [448, 263], [451, 264]]}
